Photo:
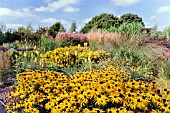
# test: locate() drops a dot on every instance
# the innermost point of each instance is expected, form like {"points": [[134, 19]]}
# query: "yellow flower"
{"points": [[16, 56], [85, 44], [101, 100], [103, 89], [35, 60], [78, 46], [67, 53], [35, 47], [89, 56], [76, 53], [41, 55], [25, 54], [32, 55]]}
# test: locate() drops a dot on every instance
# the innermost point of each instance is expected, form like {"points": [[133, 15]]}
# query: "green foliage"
{"points": [[127, 28], [54, 29], [160, 33], [102, 21], [167, 31], [22, 33], [28, 60], [26, 32], [105, 21], [73, 27], [40, 32], [128, 55], [2, 38], [130, 18], [48, 44], [5, 67], [164, 69]]}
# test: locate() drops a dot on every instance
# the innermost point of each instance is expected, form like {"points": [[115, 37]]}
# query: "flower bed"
{"points": [[69, 56], [108, 90]]}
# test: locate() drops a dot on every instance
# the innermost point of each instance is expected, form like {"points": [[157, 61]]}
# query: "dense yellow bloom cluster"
{"points": [[108, 90], [68, 56]]}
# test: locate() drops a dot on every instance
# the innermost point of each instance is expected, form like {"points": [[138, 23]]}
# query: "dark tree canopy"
{"points": [[54, 29], [129, 18], [105, 21], [102, 21]]}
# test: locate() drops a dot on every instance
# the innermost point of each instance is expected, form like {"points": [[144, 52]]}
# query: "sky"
{"points": [[44, 13]]}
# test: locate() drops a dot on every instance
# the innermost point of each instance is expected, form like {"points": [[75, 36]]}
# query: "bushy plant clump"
{"points": [[68, 38], [127, 28], [167, 31], [74, 55], [107, 90], [5, 66], [55, 28]]}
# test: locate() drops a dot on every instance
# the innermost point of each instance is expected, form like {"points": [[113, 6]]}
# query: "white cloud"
{"points": [[9, 12], [54, 20], [56, 5], [152, 18], [14, 26], [26, 10], [163, 9], [64, 22], [125, 2], [86, 20], [49, 20], [15, 13], [70, 9], [148, 24], [162, 27]]}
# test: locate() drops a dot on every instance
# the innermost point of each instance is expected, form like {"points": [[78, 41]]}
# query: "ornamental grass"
{"points": [[109, 90]]}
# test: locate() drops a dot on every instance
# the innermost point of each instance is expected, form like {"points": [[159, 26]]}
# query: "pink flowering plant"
{"points": [[71, 39]]}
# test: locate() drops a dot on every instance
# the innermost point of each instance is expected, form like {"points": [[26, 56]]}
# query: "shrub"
{"points": [[53, 60], [25, 60], [164, 69], [48, 44], [25, 33], [107, 90], [70, 39], [55, 28], [5, 66], [70, 56], [2, 38], [127, 28], [167, 30]]}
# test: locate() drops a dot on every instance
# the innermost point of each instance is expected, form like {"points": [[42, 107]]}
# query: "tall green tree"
{"points": [[102, 21], [73, 27], [130, 18], [54, 29], [106, 21]]}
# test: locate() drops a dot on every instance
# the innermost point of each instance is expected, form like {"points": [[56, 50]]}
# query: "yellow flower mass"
{"points": [[69, 56], [108, 90]]}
